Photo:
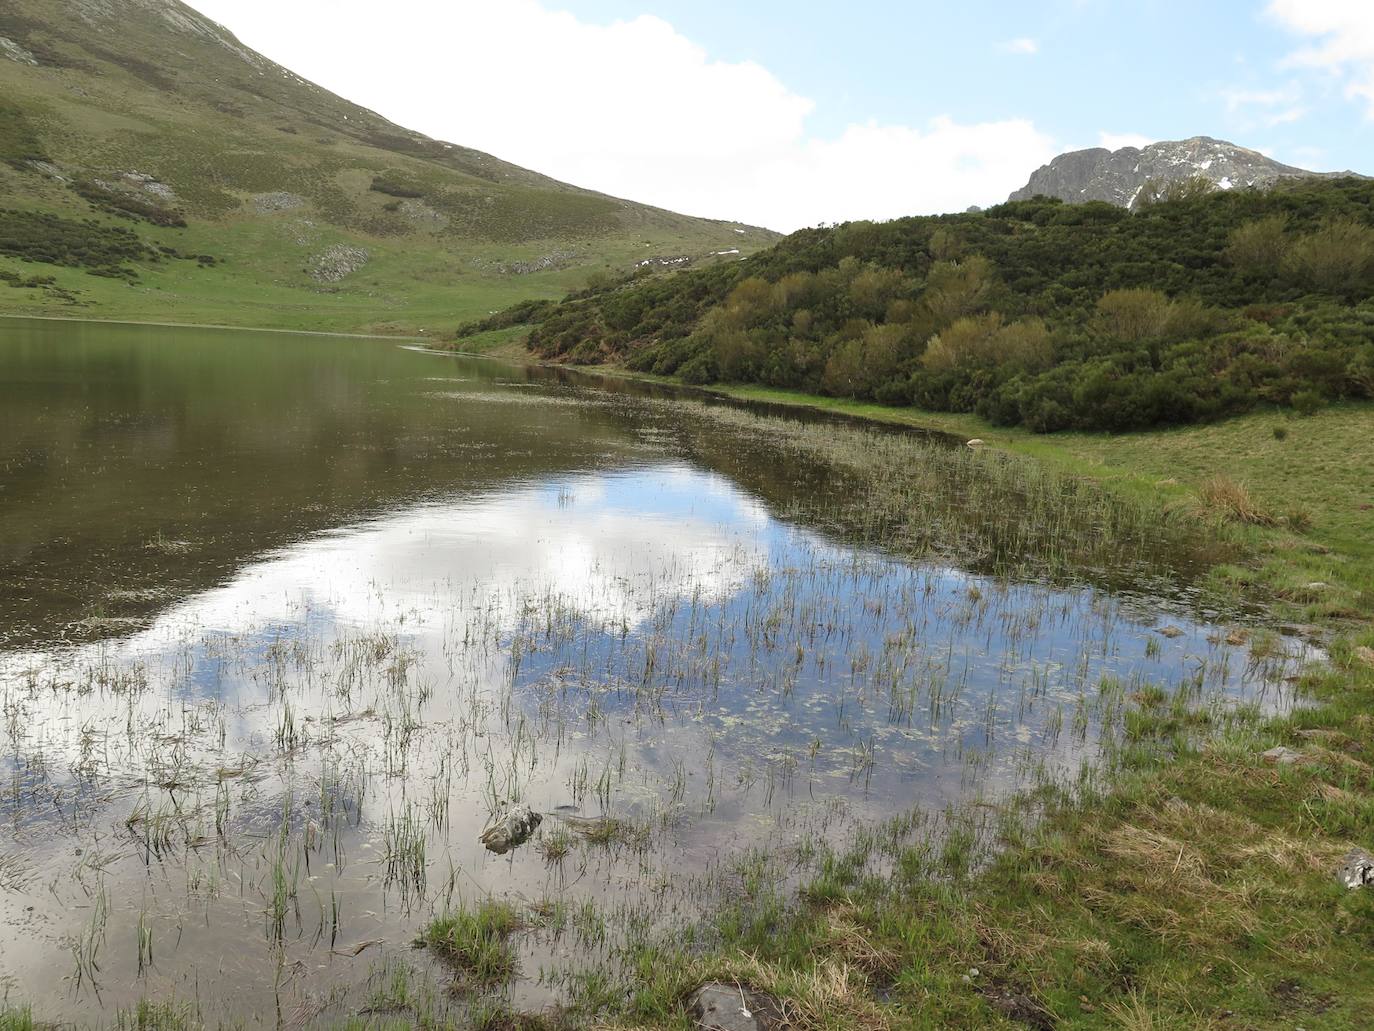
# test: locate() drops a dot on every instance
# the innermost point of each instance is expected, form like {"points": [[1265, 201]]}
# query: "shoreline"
{"points": [[215, 326]]}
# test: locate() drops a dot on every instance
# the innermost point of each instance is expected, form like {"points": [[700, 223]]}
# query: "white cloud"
{"points": [[1118, 140], [633, 108], [1343, 35], [1020, 46], [1253, 109]]}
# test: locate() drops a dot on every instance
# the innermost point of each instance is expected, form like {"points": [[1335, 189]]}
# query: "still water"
{"points": [[285, 619]]}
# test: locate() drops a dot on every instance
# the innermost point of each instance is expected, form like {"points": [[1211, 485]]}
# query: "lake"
{"points": [[284, 620]]}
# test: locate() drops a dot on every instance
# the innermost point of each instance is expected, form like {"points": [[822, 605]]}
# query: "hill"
{"points": [[199, 181], [1124, 176], [1033, 313]]}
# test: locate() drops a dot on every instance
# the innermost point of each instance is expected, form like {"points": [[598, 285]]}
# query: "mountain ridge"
{"points": [[1121, 176]]}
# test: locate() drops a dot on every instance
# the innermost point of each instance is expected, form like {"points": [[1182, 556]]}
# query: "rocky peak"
{"points": [[1118, 177]]}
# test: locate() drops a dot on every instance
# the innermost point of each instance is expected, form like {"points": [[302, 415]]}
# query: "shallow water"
{"points": [[284, 620]]}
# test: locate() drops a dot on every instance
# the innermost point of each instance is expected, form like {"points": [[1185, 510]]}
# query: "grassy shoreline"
{"points": [[398, 338]]}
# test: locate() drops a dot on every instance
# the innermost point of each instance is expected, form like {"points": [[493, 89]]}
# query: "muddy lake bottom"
{"points": [[288, 620]]}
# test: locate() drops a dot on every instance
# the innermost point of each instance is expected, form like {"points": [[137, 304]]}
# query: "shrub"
{"points": [[1260, 247], [1308, 402], [1336, 259], [987, 340], [1134, 315], [394, 189], [958, 288], [124, 205]]}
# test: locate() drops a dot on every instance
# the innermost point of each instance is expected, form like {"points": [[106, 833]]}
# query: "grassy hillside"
{"points": [[1034, 313], [256, 198]]}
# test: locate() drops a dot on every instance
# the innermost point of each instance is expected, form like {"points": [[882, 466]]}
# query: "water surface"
{"points": [[284, 620]]}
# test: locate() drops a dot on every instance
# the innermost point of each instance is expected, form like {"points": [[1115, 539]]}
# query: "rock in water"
{"points": [[511, 828], [725, 1007], [1358, 871]]}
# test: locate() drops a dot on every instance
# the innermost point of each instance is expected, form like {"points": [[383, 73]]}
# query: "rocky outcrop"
{"points": [[1357, 871], [9, 48], [271, 203], [1118, 177], [337, 264]]}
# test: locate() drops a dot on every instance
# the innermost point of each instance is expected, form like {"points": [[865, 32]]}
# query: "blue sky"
{"points": [[1167, 69], [793, 113]]}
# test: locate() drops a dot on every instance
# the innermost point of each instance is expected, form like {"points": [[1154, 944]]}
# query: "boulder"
{"points": [[511, 828], [1282, 756], [1357, 870], [728, 1007]]}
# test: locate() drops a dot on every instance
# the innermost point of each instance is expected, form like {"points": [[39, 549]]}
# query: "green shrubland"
{"points": [[1188, 309]]}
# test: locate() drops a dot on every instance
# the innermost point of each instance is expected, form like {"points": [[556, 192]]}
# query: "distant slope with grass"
{"points": [[153, 167], [1036, 313]]}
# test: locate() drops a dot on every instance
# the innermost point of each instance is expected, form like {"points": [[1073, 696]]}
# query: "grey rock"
{"points": [[1118, 177], [337, 264], [9, 48], [726, 1007], [140, 185], [1357, 870], [1282, 756], [268, 203], [50, 170], [510, 829]]}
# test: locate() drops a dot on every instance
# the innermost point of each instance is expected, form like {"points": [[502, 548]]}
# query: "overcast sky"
{"points": [[788, 113]]}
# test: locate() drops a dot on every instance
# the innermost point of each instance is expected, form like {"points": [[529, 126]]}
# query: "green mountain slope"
{"points": [[1033, 313], [259, 198]]}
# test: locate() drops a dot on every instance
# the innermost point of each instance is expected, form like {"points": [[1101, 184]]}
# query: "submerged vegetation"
{"points": [[1033, 313]]}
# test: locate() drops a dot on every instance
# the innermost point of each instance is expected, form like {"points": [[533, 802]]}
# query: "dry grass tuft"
{"points": [[1224, 496]]}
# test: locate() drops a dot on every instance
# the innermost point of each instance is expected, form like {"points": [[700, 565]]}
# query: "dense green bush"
{"points": [[124, 205], [395, 189], [1196, 305], [50, 239]]}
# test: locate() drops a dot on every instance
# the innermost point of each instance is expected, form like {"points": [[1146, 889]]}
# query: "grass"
{"points": [[476, 942]]}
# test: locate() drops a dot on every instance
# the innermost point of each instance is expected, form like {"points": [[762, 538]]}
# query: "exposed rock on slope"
{"points": [[1118, 177]]}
